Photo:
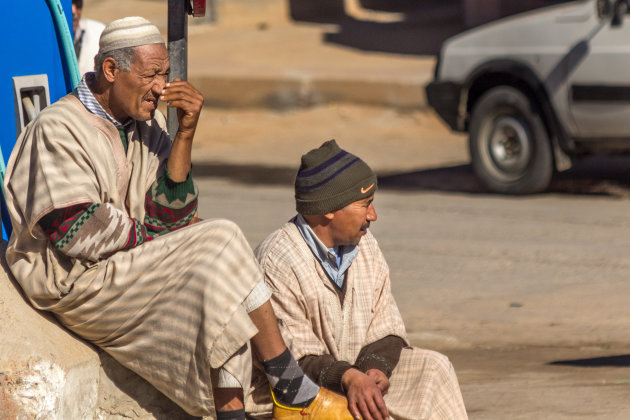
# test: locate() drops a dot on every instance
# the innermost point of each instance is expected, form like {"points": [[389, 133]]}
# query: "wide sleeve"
{"points": [[49, 170], [93, 231], [170, 205], [383, 355]]}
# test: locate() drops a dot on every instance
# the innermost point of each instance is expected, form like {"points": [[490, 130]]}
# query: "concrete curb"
{"points": [[294, 92], [47, 372]]}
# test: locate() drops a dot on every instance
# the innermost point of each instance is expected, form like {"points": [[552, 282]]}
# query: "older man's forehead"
{"points": [[152, 55]]}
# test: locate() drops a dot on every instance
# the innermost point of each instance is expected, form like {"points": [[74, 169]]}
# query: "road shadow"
{"points": [[594, 176], [622, 360], [418, 28], [407, 37], [246, 174], [397, 26]]}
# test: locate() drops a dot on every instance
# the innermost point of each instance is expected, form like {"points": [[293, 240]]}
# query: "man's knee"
{"points": [[223, 225], [432, 362]]}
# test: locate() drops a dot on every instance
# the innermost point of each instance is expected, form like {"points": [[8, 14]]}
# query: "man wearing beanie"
{"points": [[331, 294], [103, 205]]}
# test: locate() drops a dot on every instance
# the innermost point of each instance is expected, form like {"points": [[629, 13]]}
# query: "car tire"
{"points": [[509, 145]]}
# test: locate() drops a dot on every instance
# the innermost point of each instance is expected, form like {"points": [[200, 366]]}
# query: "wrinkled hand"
{"points": [[188, 101], [382, 381], [365, 399]]}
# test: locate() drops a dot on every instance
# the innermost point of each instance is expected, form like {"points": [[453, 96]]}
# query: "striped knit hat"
{"points": [[330, 178], [129, 32]]}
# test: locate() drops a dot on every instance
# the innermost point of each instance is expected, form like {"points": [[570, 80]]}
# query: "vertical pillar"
{"points": [[177, 51]]}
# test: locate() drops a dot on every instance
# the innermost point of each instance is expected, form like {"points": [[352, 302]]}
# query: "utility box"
{"points": [[30, 95]]}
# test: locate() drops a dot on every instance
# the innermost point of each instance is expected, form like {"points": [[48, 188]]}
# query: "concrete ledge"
{"points": [[47, 372]]}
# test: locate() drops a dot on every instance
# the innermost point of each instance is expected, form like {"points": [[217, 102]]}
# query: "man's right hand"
{"points": [[364, 396]]}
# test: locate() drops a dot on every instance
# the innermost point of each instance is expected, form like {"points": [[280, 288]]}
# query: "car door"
{"points": [[599, 86]]}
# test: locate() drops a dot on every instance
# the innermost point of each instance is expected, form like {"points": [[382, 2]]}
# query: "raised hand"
{"points": [[188, 101]]}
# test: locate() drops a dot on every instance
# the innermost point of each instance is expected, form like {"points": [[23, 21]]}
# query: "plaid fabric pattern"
{"points": [[424, 386], [313, 322]]}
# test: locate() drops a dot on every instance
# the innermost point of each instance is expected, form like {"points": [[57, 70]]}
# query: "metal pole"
{"points": [[177, 51]]}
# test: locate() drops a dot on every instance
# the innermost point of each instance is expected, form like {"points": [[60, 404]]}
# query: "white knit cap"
{"points": [[129, 32]]}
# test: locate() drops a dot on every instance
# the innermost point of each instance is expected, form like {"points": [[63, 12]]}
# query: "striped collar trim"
{"points": [[89, 101]]}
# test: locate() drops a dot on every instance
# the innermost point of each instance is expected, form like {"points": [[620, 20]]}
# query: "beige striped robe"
{"points": [[312, 321], [169, 309]]}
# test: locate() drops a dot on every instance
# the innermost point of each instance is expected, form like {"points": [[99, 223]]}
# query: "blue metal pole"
{"points": [[66, 41]]}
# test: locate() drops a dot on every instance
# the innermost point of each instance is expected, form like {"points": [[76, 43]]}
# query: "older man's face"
{"points": [[135, 93], [351, 222]]}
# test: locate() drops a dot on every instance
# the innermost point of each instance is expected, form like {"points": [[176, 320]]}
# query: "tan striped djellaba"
{"points": [[169, 309]]}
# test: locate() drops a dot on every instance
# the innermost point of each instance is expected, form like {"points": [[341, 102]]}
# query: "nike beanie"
{"points": [[330, 178]]}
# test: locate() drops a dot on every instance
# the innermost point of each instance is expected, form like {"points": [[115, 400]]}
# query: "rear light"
{"points": [[199, 8]]}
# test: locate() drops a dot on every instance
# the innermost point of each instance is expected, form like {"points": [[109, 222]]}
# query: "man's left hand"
{"points": [[382, 381], [189, 101]]}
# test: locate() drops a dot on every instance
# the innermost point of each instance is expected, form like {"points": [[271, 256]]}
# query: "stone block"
{"points": [[46, 372]]}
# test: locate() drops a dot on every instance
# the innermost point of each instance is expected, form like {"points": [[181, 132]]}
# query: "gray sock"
{"points": [[289, 384]]}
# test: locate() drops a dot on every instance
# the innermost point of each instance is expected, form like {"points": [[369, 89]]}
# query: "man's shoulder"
{"points": [[65, 109], [285, 258], [369, 243], [279, 243]]}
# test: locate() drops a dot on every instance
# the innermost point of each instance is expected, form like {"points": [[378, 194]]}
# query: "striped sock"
{"points": [[289, 384]]}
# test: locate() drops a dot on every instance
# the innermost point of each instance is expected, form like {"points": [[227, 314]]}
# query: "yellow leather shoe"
{"points": [[327, 405]]}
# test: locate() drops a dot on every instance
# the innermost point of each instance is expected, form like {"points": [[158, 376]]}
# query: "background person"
{"points": [[86, 35]]}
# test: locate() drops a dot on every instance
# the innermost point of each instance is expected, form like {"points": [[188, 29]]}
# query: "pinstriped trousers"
{"points": [[172, 310]]}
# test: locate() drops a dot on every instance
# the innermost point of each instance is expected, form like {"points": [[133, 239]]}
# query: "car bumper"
{"points": [[444, 98]]}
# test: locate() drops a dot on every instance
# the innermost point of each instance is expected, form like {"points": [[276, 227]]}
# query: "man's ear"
{"points": [[329, 216], [110, 69]]}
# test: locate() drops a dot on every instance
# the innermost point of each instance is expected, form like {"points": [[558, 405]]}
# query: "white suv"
{"points": [[537, 90]]}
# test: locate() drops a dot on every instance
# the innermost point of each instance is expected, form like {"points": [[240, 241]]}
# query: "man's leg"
{"points": [[227, 390], [289, 384], [424, 386], [229, 403]]}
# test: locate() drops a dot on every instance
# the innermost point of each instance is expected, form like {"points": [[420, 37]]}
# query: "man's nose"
{"points": [[159, 83], [371, 215]]}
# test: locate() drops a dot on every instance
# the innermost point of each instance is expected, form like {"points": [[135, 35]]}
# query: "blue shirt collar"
{"points": [[335, 262]]}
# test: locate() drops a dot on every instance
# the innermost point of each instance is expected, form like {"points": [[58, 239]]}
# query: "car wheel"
{"points": [[509, 144]]}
